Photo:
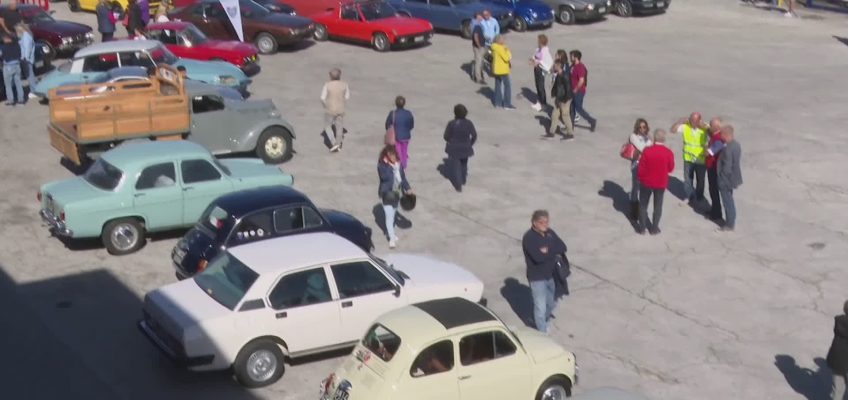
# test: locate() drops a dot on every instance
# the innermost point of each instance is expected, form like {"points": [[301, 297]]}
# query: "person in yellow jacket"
{"points": [[695, 138], [501, 64]]}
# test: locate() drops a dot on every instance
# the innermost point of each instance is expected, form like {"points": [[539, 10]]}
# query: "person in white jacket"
{"points": [[542, 61], [27, 44], [640, 139]]}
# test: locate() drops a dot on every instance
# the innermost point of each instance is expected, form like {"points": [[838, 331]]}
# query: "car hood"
{"points": [[61, 28], [244, 49], [69, 191], [405, 25], [538, 345], [263, 108], [430, 278], [181, 306], [282, 20], [57, 77], [251, 168]]}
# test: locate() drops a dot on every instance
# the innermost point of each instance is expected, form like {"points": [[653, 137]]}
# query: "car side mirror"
{"points": [[397, 291]]}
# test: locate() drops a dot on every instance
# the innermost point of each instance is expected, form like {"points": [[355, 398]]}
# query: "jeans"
{"points": [[729, 207], [402, 147], [693, 171], [539, 76], [578, 109], [30, 70], [477, 64], [390, 211], [634, 182], [503, 98], [334, 121], [715, 198], [544, 302], [645, 194], [106, 36], [459, 171], [837, 389], [12, 74]]}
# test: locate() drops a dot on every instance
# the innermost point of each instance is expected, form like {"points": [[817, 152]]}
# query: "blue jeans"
{"points": [[12, 74], [634, 182], [503, 99], [544, 302], [691, 172], [30, 69], [729, 207], [390, 212], [577, 105]]}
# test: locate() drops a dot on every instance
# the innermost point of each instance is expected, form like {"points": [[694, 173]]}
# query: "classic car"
{"points": [[267, 30], [569, 11], [452, 15], [144, 187], [259, 304], [451, 349], [186, 41], [60, 37], [91, 5], [268, 212], [96, 60], [374, 22], [527, 13], [626, 8], [277, 6]]}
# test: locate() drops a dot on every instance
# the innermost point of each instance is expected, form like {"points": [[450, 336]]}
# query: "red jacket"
{"points": [[656, 163], [713, 160]]}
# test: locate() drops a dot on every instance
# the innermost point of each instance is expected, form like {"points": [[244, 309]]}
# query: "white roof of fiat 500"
{"points": [[296, 251]]}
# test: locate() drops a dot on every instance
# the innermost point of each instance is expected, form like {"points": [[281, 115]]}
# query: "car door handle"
{"points": [[187, 188], [138, 194], [346, 304], [464, 377], [281, 315]]}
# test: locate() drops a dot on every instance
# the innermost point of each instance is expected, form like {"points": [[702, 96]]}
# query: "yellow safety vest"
{"points": [[694, 142]]}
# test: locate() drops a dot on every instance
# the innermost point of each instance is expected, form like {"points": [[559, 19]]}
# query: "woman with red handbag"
{"points": [[632, 150]]}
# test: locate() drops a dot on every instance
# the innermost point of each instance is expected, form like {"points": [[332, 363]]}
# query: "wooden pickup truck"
{"points": [[93, 118]]}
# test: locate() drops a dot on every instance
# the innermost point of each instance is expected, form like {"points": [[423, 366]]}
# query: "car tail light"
{"points": [[38, 196], [201, 265]]}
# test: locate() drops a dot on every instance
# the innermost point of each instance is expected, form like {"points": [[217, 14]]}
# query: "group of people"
{"points": [[17, 51], [135, 18]]}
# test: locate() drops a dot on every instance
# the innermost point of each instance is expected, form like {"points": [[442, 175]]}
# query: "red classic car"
{"points": [[186, 41], [371, 21]]}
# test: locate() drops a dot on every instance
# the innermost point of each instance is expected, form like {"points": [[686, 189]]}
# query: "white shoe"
{"points": [[789, 14], [576, 117], [335, 148], [537, 107], [392, 243], [33, 96]]}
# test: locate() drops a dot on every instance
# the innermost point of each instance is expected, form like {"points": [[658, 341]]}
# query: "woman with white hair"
{"points": [[27, 43]]}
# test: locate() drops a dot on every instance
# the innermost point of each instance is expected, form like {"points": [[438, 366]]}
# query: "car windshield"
{"points": [[161, 55], [377, 10], [382, 342], [226, 280], [194, 35], [251, 9], [103, 175], [35, 14], [390, 269]]}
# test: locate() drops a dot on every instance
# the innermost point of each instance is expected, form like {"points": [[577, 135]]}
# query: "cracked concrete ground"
{"points": [[691, 314]]}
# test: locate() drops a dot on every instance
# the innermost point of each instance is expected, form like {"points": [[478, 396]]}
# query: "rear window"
{"points": [[103, 175], [382, 342], [214, 221], [226, 280]]}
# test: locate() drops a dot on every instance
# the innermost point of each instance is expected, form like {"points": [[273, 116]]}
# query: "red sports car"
{"points": [[186, 41], [371, 21]]}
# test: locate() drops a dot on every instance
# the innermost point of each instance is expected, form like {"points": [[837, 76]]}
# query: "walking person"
{"points": [[655, 163], [403, 123], [491, 28], [133, 21], [640, 139], [729, 175], [478, 46], [392, 184], [837, 356], [542, 62], [562, 96], [543, 249], [334, 96], [105, 20], [10, 52], [27, 44], [714, 148], [579, 82], [460, 137], [501, 66], [694, 156]]}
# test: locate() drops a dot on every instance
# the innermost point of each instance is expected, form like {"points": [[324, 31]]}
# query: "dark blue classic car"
{"points": [[452, 15], [527, 13], [257, 214]]}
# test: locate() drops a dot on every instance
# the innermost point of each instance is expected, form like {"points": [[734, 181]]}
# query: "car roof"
{"points": [[245, 201], [419, 324], [455, 311], [175, 25], [300, 251], [115, 46], [153, 151]]}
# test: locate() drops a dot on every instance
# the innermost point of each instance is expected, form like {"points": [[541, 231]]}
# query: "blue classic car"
{"points": [[257, 214], [527, 13], [452, 15], [90, 63]]}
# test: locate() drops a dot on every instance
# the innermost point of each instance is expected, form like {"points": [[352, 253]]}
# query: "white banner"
{"points": [[231, 7]]}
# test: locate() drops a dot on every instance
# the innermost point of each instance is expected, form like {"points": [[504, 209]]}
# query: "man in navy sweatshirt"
{"points": [[10, 52], [542, 249]]}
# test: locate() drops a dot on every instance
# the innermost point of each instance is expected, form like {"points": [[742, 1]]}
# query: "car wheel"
{"points": [[266, 43], [320, 33], [565, 16], [519, 24], [122, 236], [274, 145], [555, 388], [465, 30], [49, 53], [380, 42], [74, 5], [259, 363], [623, 8]]}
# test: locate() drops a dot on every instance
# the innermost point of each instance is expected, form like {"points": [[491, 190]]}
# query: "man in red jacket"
{"points": [[655, 164]]}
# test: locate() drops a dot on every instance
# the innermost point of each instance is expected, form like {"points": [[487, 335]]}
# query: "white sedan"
{"points": [[259, 303]]}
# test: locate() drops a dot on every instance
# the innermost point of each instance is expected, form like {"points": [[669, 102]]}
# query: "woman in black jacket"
{"points": [[392, 183], [460, 137]]}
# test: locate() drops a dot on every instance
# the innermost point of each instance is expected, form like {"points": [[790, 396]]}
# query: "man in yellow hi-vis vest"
{"points": [[695, 138]]}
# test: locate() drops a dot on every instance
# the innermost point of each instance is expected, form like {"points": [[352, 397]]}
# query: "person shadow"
{"points": [[487, 92], [520, 298], [676, 187], [446, 169], [401, 222], [620, 199], [813, 385], [327, 142]]}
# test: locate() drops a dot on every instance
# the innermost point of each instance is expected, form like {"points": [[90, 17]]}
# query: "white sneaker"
{"points": [[789, 14], [537, 107], [392, 243], [33, 96], [335, 148], [576, 117]]}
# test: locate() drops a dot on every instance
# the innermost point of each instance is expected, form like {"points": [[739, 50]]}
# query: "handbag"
{"points": [[628, 151], [563, 268], [390, 138]]}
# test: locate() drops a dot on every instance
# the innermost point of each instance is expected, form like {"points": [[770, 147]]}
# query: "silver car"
{"points": [[569, 11]]}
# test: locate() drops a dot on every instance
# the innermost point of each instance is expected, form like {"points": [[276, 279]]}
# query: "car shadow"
{"points": [[590, 22], [295, 47], [520, 300], [813, 385], [620, 199], [841, 39]]}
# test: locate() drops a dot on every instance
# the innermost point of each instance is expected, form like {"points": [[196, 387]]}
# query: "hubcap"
{"points": [[274, 146], [261, 365], [565, 16], [319, 32], [555, 392], [265, 44], [381, 42], [124, 236]]}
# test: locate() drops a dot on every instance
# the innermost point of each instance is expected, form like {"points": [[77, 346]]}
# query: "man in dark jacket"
{"points": [[460, 137], [403, 121], [542, 250], [837, 357], [562, 95], [729, 175]]}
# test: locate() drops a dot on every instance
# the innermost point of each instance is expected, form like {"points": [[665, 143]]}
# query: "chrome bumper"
{"points": [[57, 226]]}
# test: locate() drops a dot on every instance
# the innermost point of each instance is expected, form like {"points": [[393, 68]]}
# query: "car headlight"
{"points": [[590, 7], [227, 80], [89, 35], [67, 40]]}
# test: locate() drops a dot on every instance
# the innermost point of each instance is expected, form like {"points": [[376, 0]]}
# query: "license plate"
{"points": [[419, 39], [602, 10]]}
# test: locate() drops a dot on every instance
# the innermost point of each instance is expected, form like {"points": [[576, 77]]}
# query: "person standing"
{"points": [[729, 175], [478, 46], [579, 82], [655, 163], [491, 28], [714, 148], [542, 250], [105, 20], [640, 139], [562, 96], [11, 17], [162, 11], [334, 96], [501, 65], [134, 23], [837, 356], [790, 9], [392, 183], [460, 137], [403, 123], [144, 6], [27, 43], [10, 51], [694, 155], [542, 61]]}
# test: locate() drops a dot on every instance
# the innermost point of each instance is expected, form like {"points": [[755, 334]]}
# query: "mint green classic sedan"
{"points": [[144, 187]]}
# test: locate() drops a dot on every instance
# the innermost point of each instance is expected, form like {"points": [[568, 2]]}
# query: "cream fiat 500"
{"points": [[451, 349]]}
